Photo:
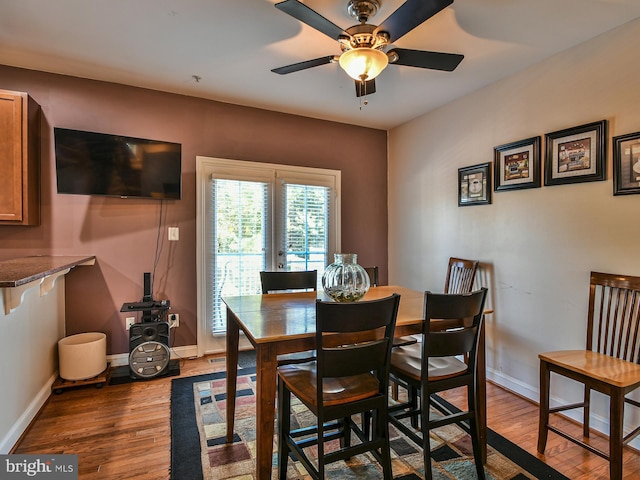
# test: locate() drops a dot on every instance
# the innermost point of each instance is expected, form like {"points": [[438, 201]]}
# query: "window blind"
{"points": [[240, 234]]}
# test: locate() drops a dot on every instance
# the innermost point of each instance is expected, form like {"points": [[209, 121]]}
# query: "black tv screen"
{"points": [[89, 163]]}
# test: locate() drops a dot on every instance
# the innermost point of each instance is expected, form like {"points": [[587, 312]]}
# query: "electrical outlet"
{"points": [[174, 320], [130, 321]]}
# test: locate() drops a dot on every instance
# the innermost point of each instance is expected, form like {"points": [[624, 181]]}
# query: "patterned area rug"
{"points": [[199, 451]]}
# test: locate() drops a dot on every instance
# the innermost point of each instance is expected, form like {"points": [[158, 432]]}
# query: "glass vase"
{"points": [[344, 280]]}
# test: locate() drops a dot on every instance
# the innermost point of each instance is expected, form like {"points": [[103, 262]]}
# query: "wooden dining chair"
{"points": [[461, 274], [279, 282], [287, 281], [460, 278], [349, 377], [373, 275], [608, 365], [434, 365]]}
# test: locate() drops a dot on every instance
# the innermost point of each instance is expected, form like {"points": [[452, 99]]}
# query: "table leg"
{"points": [[266, 366], [233, 335]]}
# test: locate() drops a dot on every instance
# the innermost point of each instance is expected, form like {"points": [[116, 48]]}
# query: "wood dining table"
{"points": [[281, 323]]}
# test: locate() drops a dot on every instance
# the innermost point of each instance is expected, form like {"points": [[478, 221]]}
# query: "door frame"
{"points": [[204, 166]]}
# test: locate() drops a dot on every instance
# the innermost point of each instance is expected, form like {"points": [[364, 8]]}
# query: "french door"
{"points": [[252, 217]]}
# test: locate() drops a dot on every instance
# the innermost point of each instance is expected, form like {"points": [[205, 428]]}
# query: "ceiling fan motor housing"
{"points": [[362, 36], [363, 9]]}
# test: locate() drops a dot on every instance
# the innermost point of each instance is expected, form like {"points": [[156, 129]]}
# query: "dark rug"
{"points": [[199, 450]]}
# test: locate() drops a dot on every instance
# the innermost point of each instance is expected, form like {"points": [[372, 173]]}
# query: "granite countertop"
{"points": [[19, 271]]}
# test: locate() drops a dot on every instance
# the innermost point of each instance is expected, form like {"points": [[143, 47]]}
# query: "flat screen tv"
{"points": [[89, 163]]}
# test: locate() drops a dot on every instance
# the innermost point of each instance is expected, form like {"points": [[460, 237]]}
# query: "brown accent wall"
{"points": [[122, 233]]}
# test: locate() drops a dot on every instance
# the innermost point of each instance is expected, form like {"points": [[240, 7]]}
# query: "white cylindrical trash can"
{"points": [[82, 356]]}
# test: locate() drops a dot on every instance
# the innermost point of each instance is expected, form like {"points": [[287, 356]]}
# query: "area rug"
{"points": [[199, 450]]}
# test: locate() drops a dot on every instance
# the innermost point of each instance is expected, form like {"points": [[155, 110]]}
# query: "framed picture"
{"points": [[516, 165], [474, 185], [626, 164], [576, 154]]}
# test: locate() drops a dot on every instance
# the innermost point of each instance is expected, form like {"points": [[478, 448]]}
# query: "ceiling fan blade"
{"points": [[312, 18], [296, 67], [423, 59], [409, 15], [366, 88]]}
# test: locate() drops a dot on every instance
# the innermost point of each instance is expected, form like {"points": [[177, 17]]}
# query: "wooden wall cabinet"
{"points": [[19, 159]]}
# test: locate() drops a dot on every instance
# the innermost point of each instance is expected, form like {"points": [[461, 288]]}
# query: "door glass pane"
{"points": [[306, 227], [240, 233]]}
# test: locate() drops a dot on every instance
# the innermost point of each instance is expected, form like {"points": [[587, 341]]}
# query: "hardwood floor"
{"points": [[516, 419], [123, 431]]}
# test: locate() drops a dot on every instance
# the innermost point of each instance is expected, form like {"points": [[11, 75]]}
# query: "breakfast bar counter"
{"points": [[20, 271], [32, 318]]}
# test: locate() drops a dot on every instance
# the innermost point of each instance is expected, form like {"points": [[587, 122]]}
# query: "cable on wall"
{"points": [[159, 243]]}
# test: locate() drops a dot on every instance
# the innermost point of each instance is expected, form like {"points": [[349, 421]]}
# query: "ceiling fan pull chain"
{"points": [[363, 93]]}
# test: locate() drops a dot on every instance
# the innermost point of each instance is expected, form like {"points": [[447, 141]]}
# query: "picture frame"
{"points": [[474, 185], [626, 164], [517, 165], [576, 155]]}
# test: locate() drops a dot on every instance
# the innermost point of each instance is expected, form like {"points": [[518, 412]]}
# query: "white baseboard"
{"points": [[21, 425], [13, 435], [23, 422], [188, 351], [513, 384]]}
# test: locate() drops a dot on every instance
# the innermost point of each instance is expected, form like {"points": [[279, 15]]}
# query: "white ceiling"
{"points": [[232, 45]]}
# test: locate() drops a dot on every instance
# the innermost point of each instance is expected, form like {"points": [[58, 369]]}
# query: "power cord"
{"points": [[159, 243]]}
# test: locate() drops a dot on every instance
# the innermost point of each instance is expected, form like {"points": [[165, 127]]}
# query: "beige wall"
{"points": [[536, 246], [122, 233], [28, 355]]}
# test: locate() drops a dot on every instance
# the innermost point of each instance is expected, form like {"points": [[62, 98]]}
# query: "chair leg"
{"points": [[382, 430], [412, 394], [544, 406], [284, 427], [321, 459], [366, 424], [394, 390], [424, 427], [474, 427], [345, 440], [616, 419]]}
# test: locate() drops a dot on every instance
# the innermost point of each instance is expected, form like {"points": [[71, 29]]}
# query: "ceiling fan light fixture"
{"points": [[363, 63]]}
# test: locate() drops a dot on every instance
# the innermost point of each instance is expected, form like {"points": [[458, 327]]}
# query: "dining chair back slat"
{"points": [[281, 281]]}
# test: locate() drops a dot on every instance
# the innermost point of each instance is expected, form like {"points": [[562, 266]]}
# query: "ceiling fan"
{"points": [[363, 45]]}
